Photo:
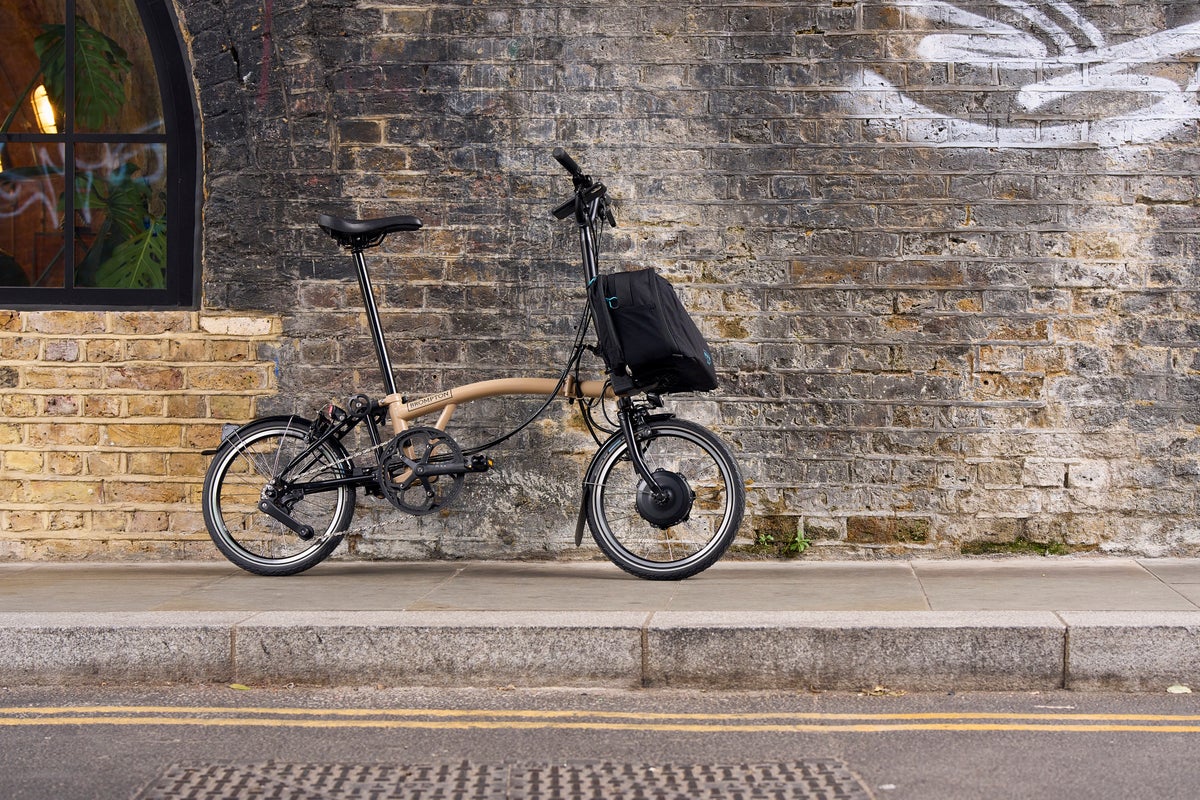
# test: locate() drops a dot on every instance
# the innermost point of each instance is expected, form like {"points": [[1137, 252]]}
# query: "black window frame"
{"points": [[181, 135]]}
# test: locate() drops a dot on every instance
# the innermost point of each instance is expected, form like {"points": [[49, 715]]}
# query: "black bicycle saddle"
{"points": [[365, 232]]}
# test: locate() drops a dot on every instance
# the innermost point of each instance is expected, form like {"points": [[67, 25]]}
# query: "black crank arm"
{"points": [[476, 464], [272, 510]]}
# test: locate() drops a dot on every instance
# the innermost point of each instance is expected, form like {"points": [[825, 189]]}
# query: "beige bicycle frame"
{"points": [[402, 412]]}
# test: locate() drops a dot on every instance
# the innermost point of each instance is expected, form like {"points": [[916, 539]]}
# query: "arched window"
{"points": [[98, 156]]}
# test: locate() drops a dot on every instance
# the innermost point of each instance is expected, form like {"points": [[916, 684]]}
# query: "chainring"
{"points": [[403, 468]]}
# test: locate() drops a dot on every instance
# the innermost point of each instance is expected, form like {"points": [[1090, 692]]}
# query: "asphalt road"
{"points": [[175, 741]]}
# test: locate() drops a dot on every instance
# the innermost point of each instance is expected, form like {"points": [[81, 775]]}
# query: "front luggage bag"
{"points": [[647, 340]]}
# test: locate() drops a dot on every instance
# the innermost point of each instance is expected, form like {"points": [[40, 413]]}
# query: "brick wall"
{"points": [[949, 279], [102, 419]]}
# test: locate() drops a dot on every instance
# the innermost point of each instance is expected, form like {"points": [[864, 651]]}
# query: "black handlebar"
{"points": [[587, 191], [568, 163]]}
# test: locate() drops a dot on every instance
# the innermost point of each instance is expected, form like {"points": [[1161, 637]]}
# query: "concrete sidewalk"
{"points": [[1022, 624]]}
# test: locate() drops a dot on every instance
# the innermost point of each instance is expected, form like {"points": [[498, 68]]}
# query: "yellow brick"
{"points": [[60, 492], [187, 465], [65, 521], [189, 350], [61, 350], [24, 521], [180, 406], [194, 498], [148, 405], [227, 378], [18, 405], [63, 377], [10, 321], [230, 407], [202, 436], [187, 523], [147, 464], [147, 378], [225, 352], [23, 461], [63, 433], [147, 350], [74, 322], [109, 520], [64, 549], [10, 490], [120, 492], [239, 326], [64, 463], [10, 433], [150, 323], [152, 435], [102, 406], [103, 350], [105, 464], [149, 522], [62, 406], [19, 348]]}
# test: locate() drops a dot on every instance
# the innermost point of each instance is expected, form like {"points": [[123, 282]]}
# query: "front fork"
{"points": [[629, 415], [627, 412]]}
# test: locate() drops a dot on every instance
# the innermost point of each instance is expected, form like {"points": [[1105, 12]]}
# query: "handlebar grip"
{"points": [[568, 163]]}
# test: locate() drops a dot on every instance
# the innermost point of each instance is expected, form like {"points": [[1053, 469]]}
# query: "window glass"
{"points": [[85, 149], [121, 215], [116, 89], [21, 68], [32, 241]]}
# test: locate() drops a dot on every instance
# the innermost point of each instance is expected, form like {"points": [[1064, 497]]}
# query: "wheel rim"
{"points": [[240, 477], [707, 472]]}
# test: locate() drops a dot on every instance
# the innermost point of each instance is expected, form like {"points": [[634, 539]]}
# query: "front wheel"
{"points": [[274, 458], [678, 536]]}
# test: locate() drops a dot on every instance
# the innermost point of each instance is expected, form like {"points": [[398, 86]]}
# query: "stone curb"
{"points": [[918, 651]]}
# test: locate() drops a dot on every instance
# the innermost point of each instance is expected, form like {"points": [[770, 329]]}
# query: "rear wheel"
{"points": [[267, 460], [686, 530]]}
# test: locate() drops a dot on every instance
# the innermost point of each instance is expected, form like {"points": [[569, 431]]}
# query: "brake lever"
{"points": [[565, 210], [607, 212], [599, 191]]}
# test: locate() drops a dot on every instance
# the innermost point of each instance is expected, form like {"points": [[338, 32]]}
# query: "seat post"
{"points": [[364, 283]]}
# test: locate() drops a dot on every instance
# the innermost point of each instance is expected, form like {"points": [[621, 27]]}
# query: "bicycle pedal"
{"points": [[479, 464]]}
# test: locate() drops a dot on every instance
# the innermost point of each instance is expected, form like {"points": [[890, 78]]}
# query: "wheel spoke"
{"points": [[698, 461], [235, 484]]}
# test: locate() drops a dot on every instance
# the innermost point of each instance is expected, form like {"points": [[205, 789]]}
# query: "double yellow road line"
{"points": [[581, 720]]}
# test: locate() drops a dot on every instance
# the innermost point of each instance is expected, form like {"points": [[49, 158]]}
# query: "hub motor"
{"points": [[672, 507]]}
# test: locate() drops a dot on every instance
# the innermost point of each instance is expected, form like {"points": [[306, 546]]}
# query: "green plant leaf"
{"points": [[139, 262], [100, 69], [123, 198], [122, 201]]}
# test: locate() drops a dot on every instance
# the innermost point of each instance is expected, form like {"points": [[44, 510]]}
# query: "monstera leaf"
{"points": [[138, 262], [123, 201], [100, 69], [121, 197]]}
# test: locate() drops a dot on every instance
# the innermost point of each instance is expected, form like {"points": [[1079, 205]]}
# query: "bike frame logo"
{"points": [[1032, 74]]}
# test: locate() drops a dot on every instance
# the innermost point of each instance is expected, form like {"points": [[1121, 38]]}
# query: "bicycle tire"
{"points": [[251, 459], [690, 545]]}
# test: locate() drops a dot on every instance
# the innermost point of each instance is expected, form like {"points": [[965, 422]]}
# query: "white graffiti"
{"points": [[1077, 87], [40, 183]]}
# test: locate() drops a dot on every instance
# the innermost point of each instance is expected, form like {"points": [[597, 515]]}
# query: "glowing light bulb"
{"points": [[44, 111]]}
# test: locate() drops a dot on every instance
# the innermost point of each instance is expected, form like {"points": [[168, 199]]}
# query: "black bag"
{"points": [[647, 340]]}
